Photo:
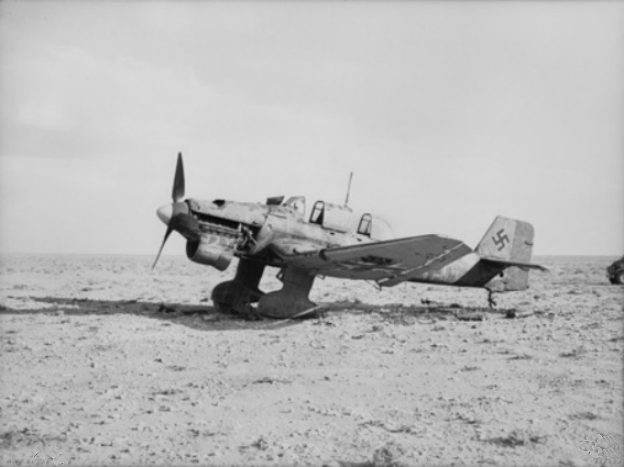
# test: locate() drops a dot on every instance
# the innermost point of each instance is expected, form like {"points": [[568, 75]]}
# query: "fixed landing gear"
{"points": [[238, 294], [292, 300], [491, 301]]}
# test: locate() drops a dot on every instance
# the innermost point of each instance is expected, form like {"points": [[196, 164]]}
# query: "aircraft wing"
{"points": [[391, 260]]}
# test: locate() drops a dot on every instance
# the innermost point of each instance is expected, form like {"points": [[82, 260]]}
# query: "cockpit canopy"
{"points": [[365, 225], [331, 216], [298, 203], [379, 228], [339, 218]]}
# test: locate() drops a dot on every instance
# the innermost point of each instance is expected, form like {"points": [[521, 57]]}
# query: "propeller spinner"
{"points": [[168, 212]]}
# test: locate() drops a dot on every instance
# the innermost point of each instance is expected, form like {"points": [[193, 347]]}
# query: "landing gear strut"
{"points": [[292, 300], [491, 301], [238, 294]]}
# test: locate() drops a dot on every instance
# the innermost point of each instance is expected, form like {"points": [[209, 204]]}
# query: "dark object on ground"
{"points": [[615, 272], [469, 316], [166, 309], [513, 313]]}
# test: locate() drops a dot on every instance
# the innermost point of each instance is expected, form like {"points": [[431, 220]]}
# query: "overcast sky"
{"points": [[449, 113]]}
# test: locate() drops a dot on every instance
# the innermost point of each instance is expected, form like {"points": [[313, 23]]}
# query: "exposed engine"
{"points": [[218, 241], [213, 250]]}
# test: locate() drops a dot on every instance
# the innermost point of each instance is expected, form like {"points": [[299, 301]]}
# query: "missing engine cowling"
{"points": [[213, 249]]}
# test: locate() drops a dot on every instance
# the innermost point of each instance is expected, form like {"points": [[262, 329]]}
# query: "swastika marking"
{"points": [[501, 239]]}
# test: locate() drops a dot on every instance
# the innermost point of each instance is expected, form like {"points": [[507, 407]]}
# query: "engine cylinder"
{"points": [[212, 250]]}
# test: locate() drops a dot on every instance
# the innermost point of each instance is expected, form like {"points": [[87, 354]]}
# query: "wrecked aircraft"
{"points": [[278, 234]]}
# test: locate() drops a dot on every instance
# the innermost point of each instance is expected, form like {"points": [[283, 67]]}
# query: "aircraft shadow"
{"points": [[207, 318], [425, 313], [202, 317]]}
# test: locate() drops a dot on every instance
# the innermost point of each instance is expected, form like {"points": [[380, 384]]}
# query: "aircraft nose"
{"points": [[165, 213], [168, 211]]}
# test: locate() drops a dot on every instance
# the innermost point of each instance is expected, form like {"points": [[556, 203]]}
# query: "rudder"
{"points": [[508, 241]]}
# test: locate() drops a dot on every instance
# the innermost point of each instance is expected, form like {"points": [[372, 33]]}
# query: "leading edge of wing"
{"points": [[391, 245], [377, 260]]}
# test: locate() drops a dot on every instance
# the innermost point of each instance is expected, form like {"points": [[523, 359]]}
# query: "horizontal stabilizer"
{"points": [[520, 264]]}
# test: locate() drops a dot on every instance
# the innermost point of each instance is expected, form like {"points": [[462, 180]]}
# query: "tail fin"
{"points": [[509, 242]]}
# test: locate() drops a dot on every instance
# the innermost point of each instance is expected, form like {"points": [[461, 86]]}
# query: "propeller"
{"points": [[168, 212], [167, 233], [178, 181]]}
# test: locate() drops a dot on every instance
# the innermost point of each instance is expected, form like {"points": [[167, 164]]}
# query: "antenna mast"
{"points": [[348, 189]]}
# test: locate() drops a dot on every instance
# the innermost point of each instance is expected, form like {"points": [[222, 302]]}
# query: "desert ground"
{"points": [[106, 362]]}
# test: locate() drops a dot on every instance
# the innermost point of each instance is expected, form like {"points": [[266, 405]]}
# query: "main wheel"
{"points": [[619, 278], [223, 307]]}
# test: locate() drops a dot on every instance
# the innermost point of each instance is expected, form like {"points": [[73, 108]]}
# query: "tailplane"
{"points": [[508, 243]]}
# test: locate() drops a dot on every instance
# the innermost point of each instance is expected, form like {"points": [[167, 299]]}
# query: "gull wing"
{"points": [[392, 260]]}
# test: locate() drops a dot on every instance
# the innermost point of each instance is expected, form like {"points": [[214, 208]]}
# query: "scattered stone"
{"points": [[388, 456], [261, 444], [211, 317], [517, 438], [469, 316], [513, 313]]}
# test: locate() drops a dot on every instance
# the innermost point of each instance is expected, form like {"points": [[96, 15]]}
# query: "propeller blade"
{"points": [[167, 233], [178, 181], [168, 213]]}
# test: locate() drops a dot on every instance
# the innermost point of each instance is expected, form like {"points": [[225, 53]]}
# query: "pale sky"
{"points": [[449, 113]]}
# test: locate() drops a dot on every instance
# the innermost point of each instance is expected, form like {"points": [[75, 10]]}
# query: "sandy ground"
{"points": [[95, 370]]}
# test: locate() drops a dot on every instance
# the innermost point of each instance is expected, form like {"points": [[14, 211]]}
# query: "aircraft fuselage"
{"points": [[247, 230]]}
